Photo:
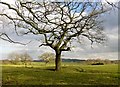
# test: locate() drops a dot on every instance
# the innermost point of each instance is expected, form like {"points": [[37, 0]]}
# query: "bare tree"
{"points": [[60, 23], [25, 58], [14, 58], [47, 57]]}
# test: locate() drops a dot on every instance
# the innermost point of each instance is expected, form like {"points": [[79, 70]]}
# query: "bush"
{"points": [[98, 64]]}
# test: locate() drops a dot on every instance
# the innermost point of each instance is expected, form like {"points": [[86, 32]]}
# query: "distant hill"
{"points": [[63, 60], [72, 60]]}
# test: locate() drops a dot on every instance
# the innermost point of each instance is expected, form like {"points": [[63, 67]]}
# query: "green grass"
{"points": [[71, 74]]}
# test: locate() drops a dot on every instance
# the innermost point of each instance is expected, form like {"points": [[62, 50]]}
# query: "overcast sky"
{"points": [[81, 51]]}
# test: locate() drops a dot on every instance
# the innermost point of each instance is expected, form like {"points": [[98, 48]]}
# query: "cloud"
{"points": [[10, 2], [110, 20]]}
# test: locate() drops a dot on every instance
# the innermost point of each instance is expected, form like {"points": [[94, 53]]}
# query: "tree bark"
{"points": [[58, 61]]}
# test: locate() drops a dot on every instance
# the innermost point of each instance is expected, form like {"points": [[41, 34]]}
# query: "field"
{"points": [[71, 74]]}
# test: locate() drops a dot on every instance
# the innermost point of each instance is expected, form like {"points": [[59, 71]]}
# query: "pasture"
{"points": [[71, 74]]}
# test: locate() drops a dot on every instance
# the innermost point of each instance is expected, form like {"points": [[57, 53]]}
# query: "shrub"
{"points": [[98, 64]]}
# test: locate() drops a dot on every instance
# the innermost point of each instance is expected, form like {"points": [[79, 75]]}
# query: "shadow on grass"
{"points": [[51, 69]]}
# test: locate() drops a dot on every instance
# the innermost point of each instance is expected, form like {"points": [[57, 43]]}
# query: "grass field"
{"points": [[71, 74]]}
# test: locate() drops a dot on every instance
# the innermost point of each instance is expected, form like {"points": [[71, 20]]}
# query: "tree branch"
{"points": [[10, 40]]}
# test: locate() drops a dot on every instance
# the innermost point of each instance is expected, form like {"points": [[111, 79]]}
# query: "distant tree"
{"points": [[95, 61], [107, 61], [98, 60], [14, 58], [25, 58], [47, 57], [5, 61], [89, 61]]}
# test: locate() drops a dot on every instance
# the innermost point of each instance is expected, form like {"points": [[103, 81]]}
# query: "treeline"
{"points": [[18, 58], [72, 60], [101, 61], [26, 59], [92, 61]]}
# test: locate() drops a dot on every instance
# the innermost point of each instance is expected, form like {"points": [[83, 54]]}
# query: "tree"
{"points": [[17, 57], [60, 23], [107, 61], [14, 58], [25, 58], [47, 57]]}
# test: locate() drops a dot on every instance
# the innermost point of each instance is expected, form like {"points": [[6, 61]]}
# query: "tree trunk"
{"points": [[58, 61]]}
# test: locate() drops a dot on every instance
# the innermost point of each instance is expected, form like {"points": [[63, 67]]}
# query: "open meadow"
{"points": [[38, 73]]}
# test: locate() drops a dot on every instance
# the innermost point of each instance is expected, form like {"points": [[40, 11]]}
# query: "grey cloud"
{"points": [[110, 19]]}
